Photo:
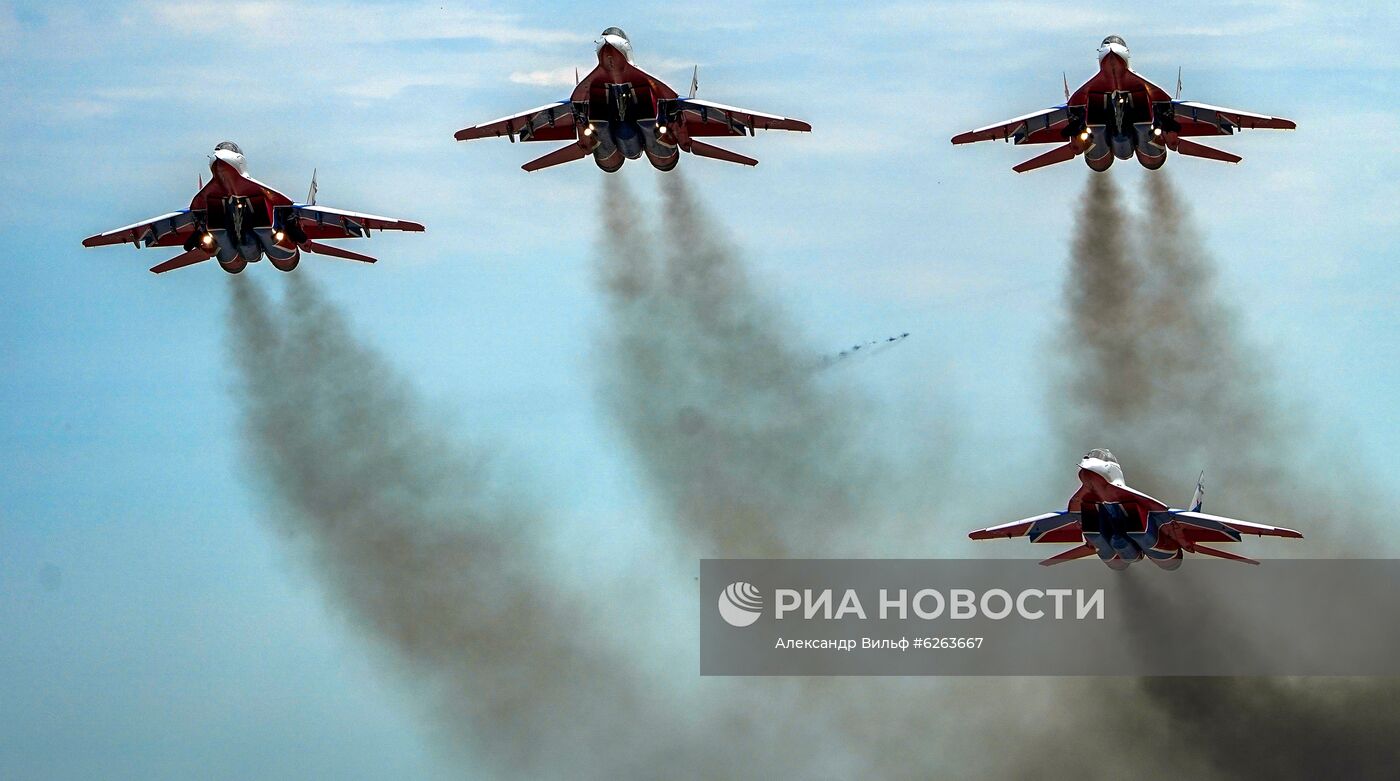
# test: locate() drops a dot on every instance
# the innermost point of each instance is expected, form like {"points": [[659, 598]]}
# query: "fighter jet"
{"points": [[619, 111], [1122, 525], [238, 220], [1119, 114]]}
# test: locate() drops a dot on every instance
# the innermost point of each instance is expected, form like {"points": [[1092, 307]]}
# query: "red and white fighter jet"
{"points": [[1119, 114], [619, 111], [238, 219], [1122, 525]]}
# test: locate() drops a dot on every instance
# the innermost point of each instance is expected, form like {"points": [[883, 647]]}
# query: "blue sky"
{"points": [[152, 624]]}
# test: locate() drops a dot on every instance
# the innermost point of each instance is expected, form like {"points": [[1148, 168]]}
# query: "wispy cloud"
{"points": [[991, 19], [351, 22], [549, 77], [566, 75], [389, 85]]}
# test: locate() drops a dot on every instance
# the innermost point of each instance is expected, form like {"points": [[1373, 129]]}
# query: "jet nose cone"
{"points": [[1117, 50]]}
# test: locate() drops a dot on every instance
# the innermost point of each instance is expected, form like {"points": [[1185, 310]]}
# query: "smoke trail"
{"points": [[753, 455], [415, 539], [1173, 384], [1105, 317]]}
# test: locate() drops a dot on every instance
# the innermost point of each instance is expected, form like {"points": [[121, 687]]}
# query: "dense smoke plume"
{"points": [[1160, 374], [752, 454], [413, 537]]}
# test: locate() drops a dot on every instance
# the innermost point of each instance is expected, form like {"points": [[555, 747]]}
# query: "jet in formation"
{"points": [[1119, 114], [1121, 525], [237, 219], [618, 112]]}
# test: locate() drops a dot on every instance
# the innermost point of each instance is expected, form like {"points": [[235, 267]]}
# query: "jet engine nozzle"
{"points": [[599, 140], [659, 144]]}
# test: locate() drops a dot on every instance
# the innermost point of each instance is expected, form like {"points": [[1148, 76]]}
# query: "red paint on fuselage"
{"points": [[1115, 69], [613, 62], [226, 182], [1095, 490], [1115, 77], [614, 68]]}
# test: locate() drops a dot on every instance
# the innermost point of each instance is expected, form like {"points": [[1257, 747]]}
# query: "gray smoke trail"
{"points": [[754, 455], [416, 541], [1105, 318], [1173, 384]]}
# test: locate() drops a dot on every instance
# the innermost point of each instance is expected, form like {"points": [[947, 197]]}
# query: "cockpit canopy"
{"points": [[229, 146], [1114, 39], [616, 31], [1101, 454]]}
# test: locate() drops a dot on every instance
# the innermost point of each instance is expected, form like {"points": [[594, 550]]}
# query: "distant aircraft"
{"points": [[1122, 525], [1118, 113], [238, 219], [619, 111]]}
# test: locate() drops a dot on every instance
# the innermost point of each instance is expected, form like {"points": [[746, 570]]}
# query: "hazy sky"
{"points": [[152, 624]]}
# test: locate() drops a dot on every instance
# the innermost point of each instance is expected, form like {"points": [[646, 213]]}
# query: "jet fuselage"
{"points": [[1116, 112], [240, 217], [1118, 521], [623, 104]]}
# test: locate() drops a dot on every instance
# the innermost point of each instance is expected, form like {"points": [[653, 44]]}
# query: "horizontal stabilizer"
{"points": [[180, 261], [1193, 149], [566, 154], [1069, 555], [335, 252], [1059, 154], [709, 150], [1241, 527], [1220, 554]]}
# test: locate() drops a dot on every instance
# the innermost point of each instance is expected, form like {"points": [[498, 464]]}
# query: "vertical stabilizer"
{"points": [[695, 81], [1200, 496], [311, 194]]}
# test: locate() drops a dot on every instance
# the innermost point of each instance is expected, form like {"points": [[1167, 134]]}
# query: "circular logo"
{"points": [[740, 604]]}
